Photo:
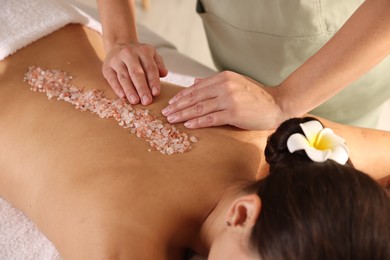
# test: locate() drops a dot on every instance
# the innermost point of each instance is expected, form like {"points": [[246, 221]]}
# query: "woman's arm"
{"points": [[361, 43], [369, 148], [132, 69], [230, 98], [385, 182], [118, 22]]}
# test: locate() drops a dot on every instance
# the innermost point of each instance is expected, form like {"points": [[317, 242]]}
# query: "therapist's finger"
{"points": [[111, 77], [193, 97], [128, 87], [196, 80], [213, 119], [139, 80], [198, 85], [198, 110], [163, 71], [152, 74], [182, 93]]}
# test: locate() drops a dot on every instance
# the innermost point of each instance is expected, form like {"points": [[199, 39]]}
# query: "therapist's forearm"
{"points": [[118, 22], [358, 46]]}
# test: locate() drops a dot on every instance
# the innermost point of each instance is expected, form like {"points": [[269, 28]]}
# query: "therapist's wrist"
{"points": [[287, 107], [112, 41], [119, 44]]}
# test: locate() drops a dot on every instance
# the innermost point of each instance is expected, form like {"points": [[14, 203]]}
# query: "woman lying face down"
{"points": [[95, 190], [305, 210]]}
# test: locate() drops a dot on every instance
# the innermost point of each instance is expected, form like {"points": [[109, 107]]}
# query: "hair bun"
{"points": [[276, 151]]}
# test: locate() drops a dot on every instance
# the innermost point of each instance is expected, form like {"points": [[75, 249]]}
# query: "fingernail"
{"points": [[121, 94], [188, 124], [133, 99], [165, 111], [171, 100], [154, 91], [171, 118], [145, 100]]}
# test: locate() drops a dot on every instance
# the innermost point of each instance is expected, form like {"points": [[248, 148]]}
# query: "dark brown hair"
{"points": [[318, 210]]}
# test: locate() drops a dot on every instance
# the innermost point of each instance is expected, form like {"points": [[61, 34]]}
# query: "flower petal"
{"points": [[340, 154], [297, 142], [327, 139], [311, 129], [320, 144], [317, 155]]}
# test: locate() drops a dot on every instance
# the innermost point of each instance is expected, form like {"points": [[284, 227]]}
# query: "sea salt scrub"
{"points": [[163, 137]]}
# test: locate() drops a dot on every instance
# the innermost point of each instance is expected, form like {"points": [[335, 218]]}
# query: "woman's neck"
{"points": [[215, 220]]}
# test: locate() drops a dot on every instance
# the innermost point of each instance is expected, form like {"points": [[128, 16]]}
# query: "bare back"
{"points": [[92, 187]]}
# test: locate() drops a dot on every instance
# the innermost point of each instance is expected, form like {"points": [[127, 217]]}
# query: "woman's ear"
{"points": [[244, 212]]}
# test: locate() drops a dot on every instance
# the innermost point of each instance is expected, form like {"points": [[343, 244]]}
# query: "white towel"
{"points": [[25, 21], [21, 23], [20, 238]]}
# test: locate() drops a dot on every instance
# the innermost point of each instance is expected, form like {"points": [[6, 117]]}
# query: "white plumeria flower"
{"points": [[320, 144]]}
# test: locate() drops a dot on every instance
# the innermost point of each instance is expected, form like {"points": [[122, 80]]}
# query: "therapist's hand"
{"points": [[226, 98], [134, 70]]}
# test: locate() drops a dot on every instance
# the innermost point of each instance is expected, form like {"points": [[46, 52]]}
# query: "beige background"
{"points": [[177, 21]]}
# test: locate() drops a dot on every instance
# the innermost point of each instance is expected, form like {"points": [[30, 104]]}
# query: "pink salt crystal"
{"points": [[162, 137]]}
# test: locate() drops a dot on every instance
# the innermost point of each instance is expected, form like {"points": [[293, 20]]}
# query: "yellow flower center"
{"points": [[322, 144]]}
